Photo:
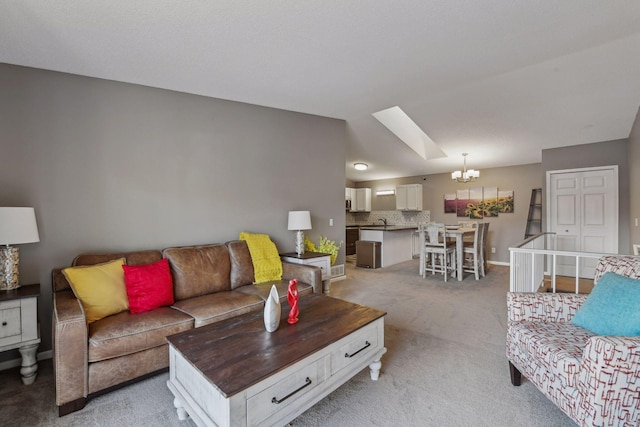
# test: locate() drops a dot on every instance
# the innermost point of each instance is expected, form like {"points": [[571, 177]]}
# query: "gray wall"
{"points": [[505, 230], [115, 167], [634, 181], [591, 155]]}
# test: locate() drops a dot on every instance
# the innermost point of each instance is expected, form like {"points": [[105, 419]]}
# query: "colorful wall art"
{"points": [[479, 202], [450, 203]]}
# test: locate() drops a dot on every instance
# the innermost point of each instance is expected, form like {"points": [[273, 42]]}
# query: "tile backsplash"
{"points": [[393, 217]]}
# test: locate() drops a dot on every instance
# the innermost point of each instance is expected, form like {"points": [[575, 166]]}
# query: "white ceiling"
{"points": [[499, 79]]}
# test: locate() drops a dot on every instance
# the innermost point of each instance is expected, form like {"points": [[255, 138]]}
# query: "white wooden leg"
{"points": [[182, 413], [29, 368], [459, 255], [375, 369]]}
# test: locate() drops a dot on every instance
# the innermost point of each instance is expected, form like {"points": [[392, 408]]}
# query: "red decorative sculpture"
{"points": [[292, 297]]}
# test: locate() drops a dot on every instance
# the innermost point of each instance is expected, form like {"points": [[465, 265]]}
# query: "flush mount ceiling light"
{"points": [[465, 175], [404, 128], [360, 166]]}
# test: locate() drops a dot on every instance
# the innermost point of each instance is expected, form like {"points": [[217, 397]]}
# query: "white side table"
{"points": [[19, 327], [313, 258]]}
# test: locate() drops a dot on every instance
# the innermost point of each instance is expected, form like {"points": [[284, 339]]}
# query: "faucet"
{"points": [[384, 220]]}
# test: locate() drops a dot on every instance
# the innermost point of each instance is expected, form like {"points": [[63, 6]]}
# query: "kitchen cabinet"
{"points": [[361, 201], [349, 196], [348, 193], [358, 199], [409, 197], [353, 235]]}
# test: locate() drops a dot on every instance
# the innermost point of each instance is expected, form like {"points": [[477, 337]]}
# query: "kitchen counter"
{"points": [[388, 227], [396, 242]]}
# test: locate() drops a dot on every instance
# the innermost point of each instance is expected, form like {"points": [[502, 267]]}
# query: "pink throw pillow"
{"points": [[149, 286]]}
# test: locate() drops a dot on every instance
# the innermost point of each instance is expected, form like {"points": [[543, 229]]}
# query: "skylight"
{"points": [[404, 128]]}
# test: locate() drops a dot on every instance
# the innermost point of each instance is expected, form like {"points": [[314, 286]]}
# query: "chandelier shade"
{"points": [[465, 175]]}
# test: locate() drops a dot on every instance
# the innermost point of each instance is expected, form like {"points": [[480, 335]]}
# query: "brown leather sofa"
{"points": [[211, 283]]}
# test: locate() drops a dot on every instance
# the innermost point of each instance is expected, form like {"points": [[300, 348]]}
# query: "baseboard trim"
{"points": [[506, 264], [14, 363]]}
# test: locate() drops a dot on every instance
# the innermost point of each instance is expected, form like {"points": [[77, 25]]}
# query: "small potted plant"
{"points": [[325, 246]]}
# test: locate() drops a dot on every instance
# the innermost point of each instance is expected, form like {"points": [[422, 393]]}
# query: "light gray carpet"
{"points": [[445, 366]]}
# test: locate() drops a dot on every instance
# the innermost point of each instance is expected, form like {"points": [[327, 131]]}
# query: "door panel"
{"points": [[594, 210], [566, 213], [583, 211]]}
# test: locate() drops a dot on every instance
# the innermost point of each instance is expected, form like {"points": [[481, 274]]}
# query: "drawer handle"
{"points": [[366, 344], [307, 382]]}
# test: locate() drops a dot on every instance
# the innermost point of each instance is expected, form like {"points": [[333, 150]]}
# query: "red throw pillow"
{"points": [[149, 286]]}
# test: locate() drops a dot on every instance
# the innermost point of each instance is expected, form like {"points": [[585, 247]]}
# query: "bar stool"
{"points": [[472, 253], [437, 256]]}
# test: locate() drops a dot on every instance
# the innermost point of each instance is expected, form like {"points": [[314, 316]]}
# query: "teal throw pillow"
{"points": [[612, 308]]}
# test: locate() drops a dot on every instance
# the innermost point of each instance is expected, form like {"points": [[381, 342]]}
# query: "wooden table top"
{"points": [[236, 353], [21, 292]]}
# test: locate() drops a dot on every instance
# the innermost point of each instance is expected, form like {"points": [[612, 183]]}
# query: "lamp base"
{"points": [[299, 242], [9, 268]]}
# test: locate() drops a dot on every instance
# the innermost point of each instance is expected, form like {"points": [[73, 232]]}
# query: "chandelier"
{"points": [[465, 175]]}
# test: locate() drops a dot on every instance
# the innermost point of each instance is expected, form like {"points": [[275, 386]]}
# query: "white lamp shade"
{"points": [[299, 220], [18, 225]]}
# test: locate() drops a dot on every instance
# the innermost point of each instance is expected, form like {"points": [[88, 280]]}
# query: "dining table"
{"points": [[451, 231]]}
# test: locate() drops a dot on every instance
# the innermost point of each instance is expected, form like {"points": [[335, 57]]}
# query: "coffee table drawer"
{"points": [[358, 346], [285, 392]]}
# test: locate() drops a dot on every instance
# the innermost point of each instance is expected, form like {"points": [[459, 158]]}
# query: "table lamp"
{"points": [[17, 226], [299, 220]]}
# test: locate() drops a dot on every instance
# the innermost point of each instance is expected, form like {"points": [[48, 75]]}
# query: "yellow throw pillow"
{"points": [[264, 255], [100, 288]]}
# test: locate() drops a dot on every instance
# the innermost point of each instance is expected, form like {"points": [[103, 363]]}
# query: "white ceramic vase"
{"points": [[272, 310]]}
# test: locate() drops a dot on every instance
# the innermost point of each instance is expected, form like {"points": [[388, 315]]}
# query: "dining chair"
{"points": [[472, 253], [468, 224], [483, 248], [439, 257]]}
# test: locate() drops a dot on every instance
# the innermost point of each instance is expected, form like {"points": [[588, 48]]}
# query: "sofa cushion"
{"points": [[100, 288], [218, 306], [556, 346], [241, 264], [132, 258], [199, 270], [264, 255], [612, 307], [282, 286], [126, 333], [149, 286]]}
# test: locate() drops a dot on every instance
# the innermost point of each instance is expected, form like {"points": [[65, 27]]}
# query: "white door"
{"points": [[583, 212]]}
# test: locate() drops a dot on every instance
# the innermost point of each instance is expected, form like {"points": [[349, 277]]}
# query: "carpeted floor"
{"points": [[445, 366]]}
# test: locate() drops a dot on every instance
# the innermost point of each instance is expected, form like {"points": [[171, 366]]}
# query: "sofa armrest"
{"points": [[70, 342], [542, 307], [304, 273], [609, 381]]}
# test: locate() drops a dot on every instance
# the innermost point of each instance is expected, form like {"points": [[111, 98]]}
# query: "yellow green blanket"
{"points": [[264, 254]]}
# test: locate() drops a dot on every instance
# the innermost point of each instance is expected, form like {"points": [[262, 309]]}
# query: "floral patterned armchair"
{"points": [[594, 379]]}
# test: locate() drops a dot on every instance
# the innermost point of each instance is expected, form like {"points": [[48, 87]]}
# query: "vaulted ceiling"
{"points": [[498, 79]]}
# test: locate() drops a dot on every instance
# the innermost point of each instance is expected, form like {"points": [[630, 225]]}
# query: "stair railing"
{"points": [[536, 256]]}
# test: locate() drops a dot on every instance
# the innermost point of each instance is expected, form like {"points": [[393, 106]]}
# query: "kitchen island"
{"points": [[396, 242]]}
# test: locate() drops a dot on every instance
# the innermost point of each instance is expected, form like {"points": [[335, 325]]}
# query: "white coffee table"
{"points": [[235, 373]]}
